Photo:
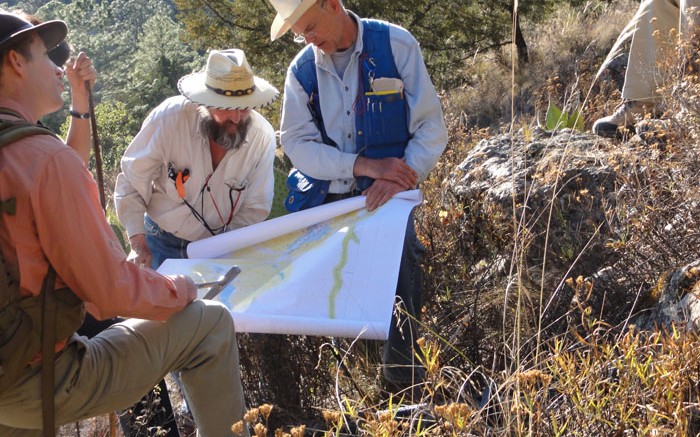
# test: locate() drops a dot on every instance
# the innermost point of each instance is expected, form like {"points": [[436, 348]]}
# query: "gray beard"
{"points": [[219, 132]]}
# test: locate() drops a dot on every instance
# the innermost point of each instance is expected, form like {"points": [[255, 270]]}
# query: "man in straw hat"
{"points": [[202, 162], [53, 230], [361, 116], [657, 30]]}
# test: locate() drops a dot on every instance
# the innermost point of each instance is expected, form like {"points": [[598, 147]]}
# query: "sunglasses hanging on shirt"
{"points": [[180, 177]]}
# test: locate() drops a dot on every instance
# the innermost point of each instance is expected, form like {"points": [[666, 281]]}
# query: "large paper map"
{"points": [[329, 270]]}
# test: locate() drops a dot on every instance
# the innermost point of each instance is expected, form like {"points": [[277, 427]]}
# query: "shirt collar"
{"points": [[325, 61], [9, 103]]}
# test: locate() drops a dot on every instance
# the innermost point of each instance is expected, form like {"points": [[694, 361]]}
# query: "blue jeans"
{"points": [[162, 244]]}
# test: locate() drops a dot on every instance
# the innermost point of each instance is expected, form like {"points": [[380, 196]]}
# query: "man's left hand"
{"points": [[380, 192], [78, 71]]}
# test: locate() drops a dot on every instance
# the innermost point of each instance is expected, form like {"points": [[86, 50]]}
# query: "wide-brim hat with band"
{"points": [[13, 27], [288, 13], [227, 82]]}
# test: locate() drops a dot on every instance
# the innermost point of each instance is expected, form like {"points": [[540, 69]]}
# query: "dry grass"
{"points": [[488, 371]]}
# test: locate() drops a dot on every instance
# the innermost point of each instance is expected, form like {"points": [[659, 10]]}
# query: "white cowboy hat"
{"points": [[227, 83], [288, 12]]}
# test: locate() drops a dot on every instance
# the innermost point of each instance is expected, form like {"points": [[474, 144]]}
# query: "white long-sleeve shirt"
{"points": [[171, 137], [302, 142]]}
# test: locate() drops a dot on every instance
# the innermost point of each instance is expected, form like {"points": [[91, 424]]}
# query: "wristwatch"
{"points": [[76, 114]]}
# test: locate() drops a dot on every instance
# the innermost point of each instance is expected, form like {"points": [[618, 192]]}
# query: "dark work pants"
{"points": [[399, 363]]}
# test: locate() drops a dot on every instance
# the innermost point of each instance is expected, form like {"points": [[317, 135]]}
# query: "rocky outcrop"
{"points": [[562, 195], [678, 294]]}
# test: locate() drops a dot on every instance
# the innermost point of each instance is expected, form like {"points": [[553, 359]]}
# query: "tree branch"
{"points": [[225, 20]]}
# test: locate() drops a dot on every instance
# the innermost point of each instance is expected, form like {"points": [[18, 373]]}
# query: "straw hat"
{"points": [[288, 12], [227, 83], [13, 27]]}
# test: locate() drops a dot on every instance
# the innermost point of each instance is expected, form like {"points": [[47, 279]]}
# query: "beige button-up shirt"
{"points": [[170, 139]]}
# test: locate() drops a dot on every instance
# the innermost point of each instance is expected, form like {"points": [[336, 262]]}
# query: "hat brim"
{"points": [[51, 32], [280, 26], [193, 87]]}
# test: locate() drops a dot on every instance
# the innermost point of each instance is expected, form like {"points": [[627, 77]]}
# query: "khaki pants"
{"points": [[114, 369], [659, 24]]}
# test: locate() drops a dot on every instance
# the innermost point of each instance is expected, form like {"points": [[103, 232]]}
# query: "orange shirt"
{"points": [[59, 219]]}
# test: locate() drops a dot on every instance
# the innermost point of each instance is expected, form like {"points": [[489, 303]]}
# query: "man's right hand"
{"points": [[391, 169], [379, 193], [185, 285], [139, 255]]}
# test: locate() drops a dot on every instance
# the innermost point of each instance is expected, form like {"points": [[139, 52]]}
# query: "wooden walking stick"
{"points": [[101, 185], [96, 149], [112, 424]]}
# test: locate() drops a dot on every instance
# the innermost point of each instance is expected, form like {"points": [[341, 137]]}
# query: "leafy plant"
{"points": [[558, 119]]}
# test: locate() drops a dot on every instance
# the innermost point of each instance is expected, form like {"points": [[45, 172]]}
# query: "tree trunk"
{"points": [[520, 44]]}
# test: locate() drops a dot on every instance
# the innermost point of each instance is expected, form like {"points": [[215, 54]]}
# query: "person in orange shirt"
{"points": [[81, 73], [57, 221]]}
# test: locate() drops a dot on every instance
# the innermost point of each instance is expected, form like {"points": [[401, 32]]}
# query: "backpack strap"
{"points": [[12, 112], [14, 130], [48, 353], [11, 131]]}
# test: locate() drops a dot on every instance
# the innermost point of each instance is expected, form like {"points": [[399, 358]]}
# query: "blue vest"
{"points": [[381, 119]]}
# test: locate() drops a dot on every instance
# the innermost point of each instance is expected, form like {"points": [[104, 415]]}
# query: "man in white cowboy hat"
{"points": [[202, 163], [361, 116], [60, 255]]}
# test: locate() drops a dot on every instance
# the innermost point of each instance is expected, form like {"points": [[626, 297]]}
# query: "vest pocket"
{"points": [[385, 125]]}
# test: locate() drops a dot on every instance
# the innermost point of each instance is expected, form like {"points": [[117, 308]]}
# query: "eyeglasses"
{"points": [[310, 32], [303, 37], [224, 223]]}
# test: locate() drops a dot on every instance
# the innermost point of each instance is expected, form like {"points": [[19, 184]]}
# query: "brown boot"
{"points": [[625, 116]]}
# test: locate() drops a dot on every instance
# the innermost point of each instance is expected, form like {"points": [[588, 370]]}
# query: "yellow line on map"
{"points": [[338, 271]]}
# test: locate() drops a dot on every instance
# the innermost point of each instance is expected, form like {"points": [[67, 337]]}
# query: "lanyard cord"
{"points": [[200, 217], [231, 202]]}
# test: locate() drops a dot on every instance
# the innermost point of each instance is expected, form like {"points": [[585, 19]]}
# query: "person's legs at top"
{"points": [[653, 45], [651, 53]]}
